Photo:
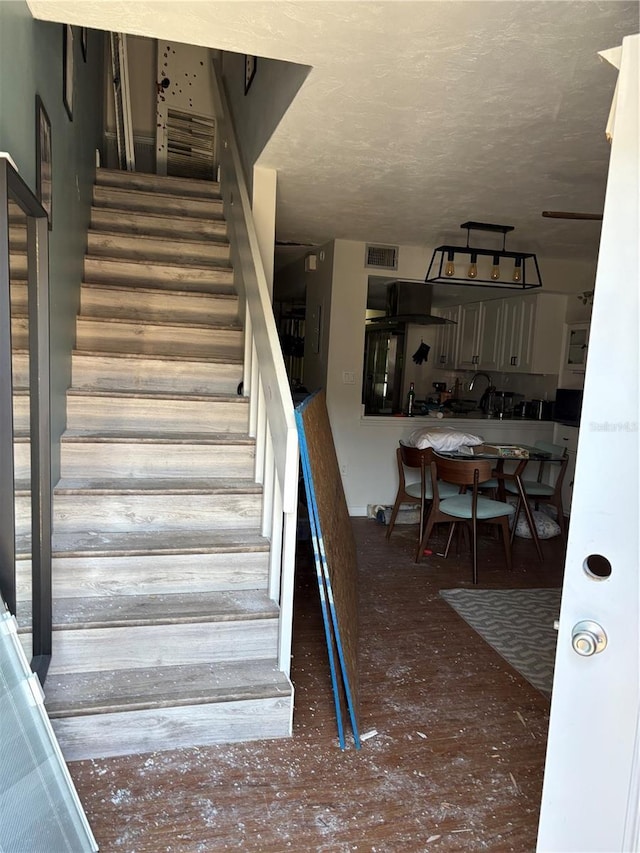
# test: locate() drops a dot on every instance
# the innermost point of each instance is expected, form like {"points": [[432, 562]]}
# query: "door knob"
{"points": [[588, 638]]}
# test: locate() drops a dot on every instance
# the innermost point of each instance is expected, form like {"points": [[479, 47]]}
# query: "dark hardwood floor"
{"points": [[455, 765]]}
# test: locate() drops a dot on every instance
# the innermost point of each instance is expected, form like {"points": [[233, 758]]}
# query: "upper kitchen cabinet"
{"points": [[480, 335], [446, 338], [532, 333], [574, 362]]}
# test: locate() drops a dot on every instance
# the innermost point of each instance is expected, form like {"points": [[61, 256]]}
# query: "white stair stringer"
{"points": [[164, 634]]}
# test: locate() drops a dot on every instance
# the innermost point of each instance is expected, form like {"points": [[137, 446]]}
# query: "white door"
{"points": [[592, 780]]}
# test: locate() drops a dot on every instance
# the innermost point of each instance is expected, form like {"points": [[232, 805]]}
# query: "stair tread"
{"points": [[215, 264], [157, 218], [166, 291], [160, 486], [78, 436], [210, 359], [141, 543], [114, 178], [111, 691], [182, 242], [115, 611], [157, 395], [165, 324]]}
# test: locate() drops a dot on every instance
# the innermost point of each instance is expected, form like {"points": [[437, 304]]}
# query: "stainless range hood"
{"points": [[408, 302]]}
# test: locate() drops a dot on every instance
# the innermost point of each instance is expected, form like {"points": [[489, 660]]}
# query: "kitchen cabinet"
{"points": [[567, 437], [574, 362], [519, 334], [480, 335], [446, 339], [469, 336], [491, 322], [532, 333]]}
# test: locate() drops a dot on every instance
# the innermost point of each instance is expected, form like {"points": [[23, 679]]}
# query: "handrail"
{"points": [[13, 188], [272, 419]]}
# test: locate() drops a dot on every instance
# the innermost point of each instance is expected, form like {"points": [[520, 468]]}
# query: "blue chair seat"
{"points": [[445, 490], [460, 507], [531, 487]]}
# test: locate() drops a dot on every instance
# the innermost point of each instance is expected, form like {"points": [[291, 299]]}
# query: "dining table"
{"points": [[529, 454]]}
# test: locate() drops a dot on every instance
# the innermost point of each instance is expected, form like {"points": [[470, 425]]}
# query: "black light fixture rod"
{"points": [[487, 226], [467, 250]]}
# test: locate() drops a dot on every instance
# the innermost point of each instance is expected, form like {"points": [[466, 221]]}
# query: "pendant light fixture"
{"points": [[521, 270]]}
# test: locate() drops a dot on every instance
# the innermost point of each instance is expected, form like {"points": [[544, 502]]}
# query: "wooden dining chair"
{"points": [[540, 492], [417, 492], [468, 506]]}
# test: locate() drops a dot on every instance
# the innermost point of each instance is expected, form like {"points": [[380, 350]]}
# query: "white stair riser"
{"points": [[153, 225], [17, 238], [161, 184], [107, 460], [157, 415], [150, 338], [110, 372], [153, 574], [134, 732], [19, 265], [156, 202], [21, 408], [156, 248], [138, 512], [176, 277], [23, 514], [19, 298], [176, 644], [20, 368], [106, 301], [22, 459], [19, 332]]}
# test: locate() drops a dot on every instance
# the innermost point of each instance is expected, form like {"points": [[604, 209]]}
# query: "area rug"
{"points": [[517, 623]]}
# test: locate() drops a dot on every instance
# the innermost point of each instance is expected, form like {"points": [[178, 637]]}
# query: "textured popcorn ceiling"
{"points": [[417, 116]]}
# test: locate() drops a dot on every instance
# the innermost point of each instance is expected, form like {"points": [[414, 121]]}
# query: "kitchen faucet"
{"points": [[475, 376], [483, 403]]}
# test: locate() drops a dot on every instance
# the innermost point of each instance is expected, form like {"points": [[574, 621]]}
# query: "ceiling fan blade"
{"points": [[561, 214]]}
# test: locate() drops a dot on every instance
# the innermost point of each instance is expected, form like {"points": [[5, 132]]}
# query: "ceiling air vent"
{"points": [[382, 257]]}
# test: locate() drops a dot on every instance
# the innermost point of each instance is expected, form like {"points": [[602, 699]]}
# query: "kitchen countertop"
{"points": [[468, 416]]}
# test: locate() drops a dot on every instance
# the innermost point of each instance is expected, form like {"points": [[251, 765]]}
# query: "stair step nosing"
{"points": [[180, 241], [159, 187], [159, 551], [162, 324], [135, 436], [99, 208], [153, 193], [137, 621], [158, 395], [213, 267], [215, 697], [165, 292], [213, 359], [162, 488]]}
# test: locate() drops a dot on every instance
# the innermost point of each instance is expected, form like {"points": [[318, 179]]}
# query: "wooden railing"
{"points": [[271, 418]]}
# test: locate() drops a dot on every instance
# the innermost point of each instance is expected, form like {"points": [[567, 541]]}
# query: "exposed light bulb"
{"points": [[473, 267], [517, 271], [495, 269], [449, 269]]}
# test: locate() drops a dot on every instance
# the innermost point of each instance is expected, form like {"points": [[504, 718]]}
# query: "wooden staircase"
{"points": [[164, 633]]}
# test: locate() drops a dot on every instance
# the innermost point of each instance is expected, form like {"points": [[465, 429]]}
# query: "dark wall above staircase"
{"points": [[31, 62]]}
